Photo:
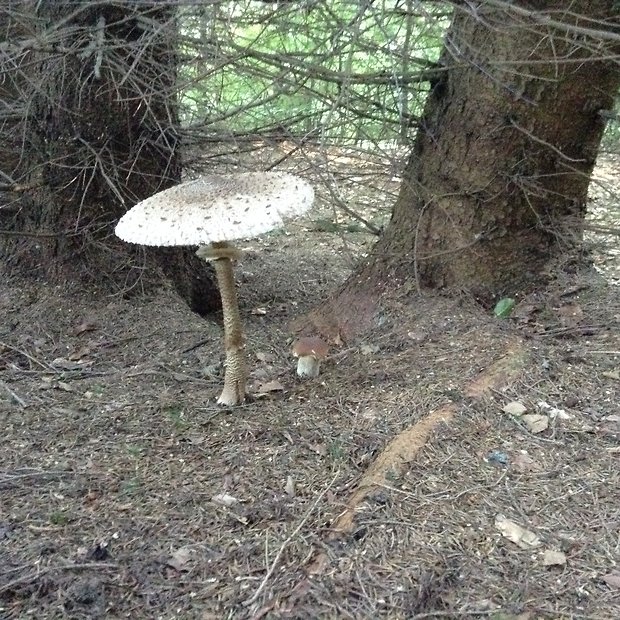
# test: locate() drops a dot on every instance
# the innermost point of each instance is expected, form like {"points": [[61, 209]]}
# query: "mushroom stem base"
{"points": [[308, 366], [234, 390]]}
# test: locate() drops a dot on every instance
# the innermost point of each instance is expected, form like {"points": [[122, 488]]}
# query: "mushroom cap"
{"points": [[216, 208], [311, 346]]}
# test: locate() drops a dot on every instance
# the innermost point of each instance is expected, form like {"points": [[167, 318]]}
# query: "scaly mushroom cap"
{"points": [[216, 208], [311, 346]]}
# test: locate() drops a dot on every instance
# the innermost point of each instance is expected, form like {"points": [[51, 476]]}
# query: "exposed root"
{"points": [[400, 451], [349, 313], [405, 446], [501, 373]]}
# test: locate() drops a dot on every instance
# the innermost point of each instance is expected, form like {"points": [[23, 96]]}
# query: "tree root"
{"points": [[405, 446], [349, 313]]}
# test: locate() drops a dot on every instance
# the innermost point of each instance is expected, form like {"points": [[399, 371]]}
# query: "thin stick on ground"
{"points": [[50, 569], [34, 360], [294, 533], [20, 401]]}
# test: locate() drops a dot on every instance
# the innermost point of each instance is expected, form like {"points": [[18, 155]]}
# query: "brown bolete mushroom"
{"points": [[210, 212], [309, 351]]}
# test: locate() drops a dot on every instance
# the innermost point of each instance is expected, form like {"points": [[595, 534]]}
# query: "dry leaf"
{"points": [[523, 312], [515, 408], [287, 436], [270, 386], [265, 357], [560, 414], [180, 559], [63, 364], [369, 349], [46, 383], [224, 499], [260, 374], [570, 314], [612, 374], [553, 558], [515, 533], [181, 378], [299, 591], [417, 336], [612, 580], [523, 462], [553, 412], [319, 448], [79, 353], [289, 487], [535, 423], [85, 326], [318, 565]]}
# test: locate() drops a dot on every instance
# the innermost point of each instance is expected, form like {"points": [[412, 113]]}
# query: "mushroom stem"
{"points": [[308, 366], [235, 374]]}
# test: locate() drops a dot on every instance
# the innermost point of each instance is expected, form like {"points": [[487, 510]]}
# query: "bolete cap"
{"points": [[216, 208], [311, 346]]}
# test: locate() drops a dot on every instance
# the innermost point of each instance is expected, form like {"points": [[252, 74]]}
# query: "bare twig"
{"points": [[51, 569], [14, 396], [294, 533], [34, 235], [27, 356]]}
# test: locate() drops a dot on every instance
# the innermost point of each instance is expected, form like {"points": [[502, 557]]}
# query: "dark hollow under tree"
{"points": [[100, 129], [496, 184]]}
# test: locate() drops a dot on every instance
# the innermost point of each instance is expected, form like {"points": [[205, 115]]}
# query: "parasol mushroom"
{"points": [[210, 212]]}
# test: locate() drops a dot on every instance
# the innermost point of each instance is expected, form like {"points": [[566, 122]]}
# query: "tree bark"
{"points": [[100, 135], [496, 184], [12, 100]]}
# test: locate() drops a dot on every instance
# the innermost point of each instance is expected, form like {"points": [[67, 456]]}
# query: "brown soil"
{"points": [[125, 492]]}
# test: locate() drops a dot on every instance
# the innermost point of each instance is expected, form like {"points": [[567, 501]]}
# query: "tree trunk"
{"points": [[100, 135], [12, 100], [497, 182]]}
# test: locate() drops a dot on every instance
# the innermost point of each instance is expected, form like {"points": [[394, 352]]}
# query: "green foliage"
{"points": [[504, 307], [59, 518], [175, 416], [131, 486], [349, 70]]}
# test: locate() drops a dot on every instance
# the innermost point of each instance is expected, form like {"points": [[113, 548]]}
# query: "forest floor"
{"points": [[445, 464]]}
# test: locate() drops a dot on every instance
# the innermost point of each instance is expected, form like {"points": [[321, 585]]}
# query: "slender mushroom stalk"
{"points": [[235, 376]]}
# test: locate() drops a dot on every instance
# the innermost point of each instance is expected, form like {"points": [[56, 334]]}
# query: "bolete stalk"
{"points": [[310, 351], [210, 212]]}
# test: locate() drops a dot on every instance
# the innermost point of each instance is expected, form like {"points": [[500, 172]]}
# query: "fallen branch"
{"points": [[400, 451]]}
